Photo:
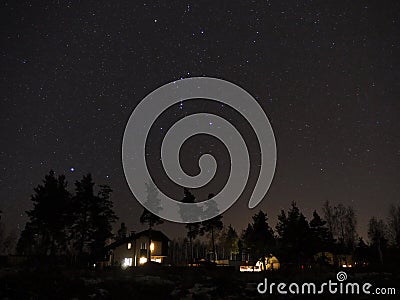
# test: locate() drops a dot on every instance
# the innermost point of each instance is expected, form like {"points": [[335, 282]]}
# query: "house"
{"points": [[134, 249]]}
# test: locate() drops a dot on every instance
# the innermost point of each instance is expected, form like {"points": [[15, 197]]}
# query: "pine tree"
{"points": [[81, 210], [259, 237], [152, 201], [322, 239], [193, 229], [92, 218], [149, 218], [48, 220], [102, 218], [122, 231], [212, 225], [294, 233]]}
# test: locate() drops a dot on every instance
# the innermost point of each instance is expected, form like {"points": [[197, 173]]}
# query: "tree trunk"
{"points": [[213, 243], [380, 252], [149, 250], [190, 258], [83, 235]]}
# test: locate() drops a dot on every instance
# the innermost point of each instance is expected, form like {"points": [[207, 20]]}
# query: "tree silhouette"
{"points": [[152, 201], [2, 232], [322, 239], [212, 225], [187, 214], [81, 213], [377, 236], [361, 253], [191, 213], [342, 222], [48, 222], [102, 218], [59, 222], [231, 241], [122, 231], [294, 233], [27, 244], [259, 237], [92, 218], [394, 225], [147, 216], [7, 240]]}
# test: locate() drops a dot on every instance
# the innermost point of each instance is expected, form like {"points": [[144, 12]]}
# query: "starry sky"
{"points": [[325, 72]]}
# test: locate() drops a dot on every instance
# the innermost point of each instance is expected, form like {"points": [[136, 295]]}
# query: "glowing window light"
{"points": [[127, 262], [129, 246], [142, 260], [152, 247]]}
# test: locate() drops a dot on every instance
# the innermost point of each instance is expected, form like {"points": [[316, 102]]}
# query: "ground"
{"points": [[164, 283]]}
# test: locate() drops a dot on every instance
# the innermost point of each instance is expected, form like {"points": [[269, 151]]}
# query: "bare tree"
{"points": [[350, 224], [394, 225], [329, 216], [377, 235], [342, 222]]}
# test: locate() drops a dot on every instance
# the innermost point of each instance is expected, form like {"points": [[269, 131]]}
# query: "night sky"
{"points": [[325, 72]]}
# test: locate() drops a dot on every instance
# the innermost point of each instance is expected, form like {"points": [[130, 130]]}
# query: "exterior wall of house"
{"points": [[143, 247], [138, 249], [121, 252]]}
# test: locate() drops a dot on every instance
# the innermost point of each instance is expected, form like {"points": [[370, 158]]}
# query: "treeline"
{"points": [[78, 225], [64, 224], [295, 239]]}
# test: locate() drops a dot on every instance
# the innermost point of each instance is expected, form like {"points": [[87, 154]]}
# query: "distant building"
{"points": [[335, 260], [134, 249], [271, 263]]}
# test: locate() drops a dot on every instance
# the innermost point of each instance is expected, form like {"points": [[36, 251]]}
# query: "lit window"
{"points": [[142, 260], [152, 247], [127, 262], [129, 246]]}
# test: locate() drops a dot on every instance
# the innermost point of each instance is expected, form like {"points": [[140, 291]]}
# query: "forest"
{"points": [[75, 227], [67, 237]]}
